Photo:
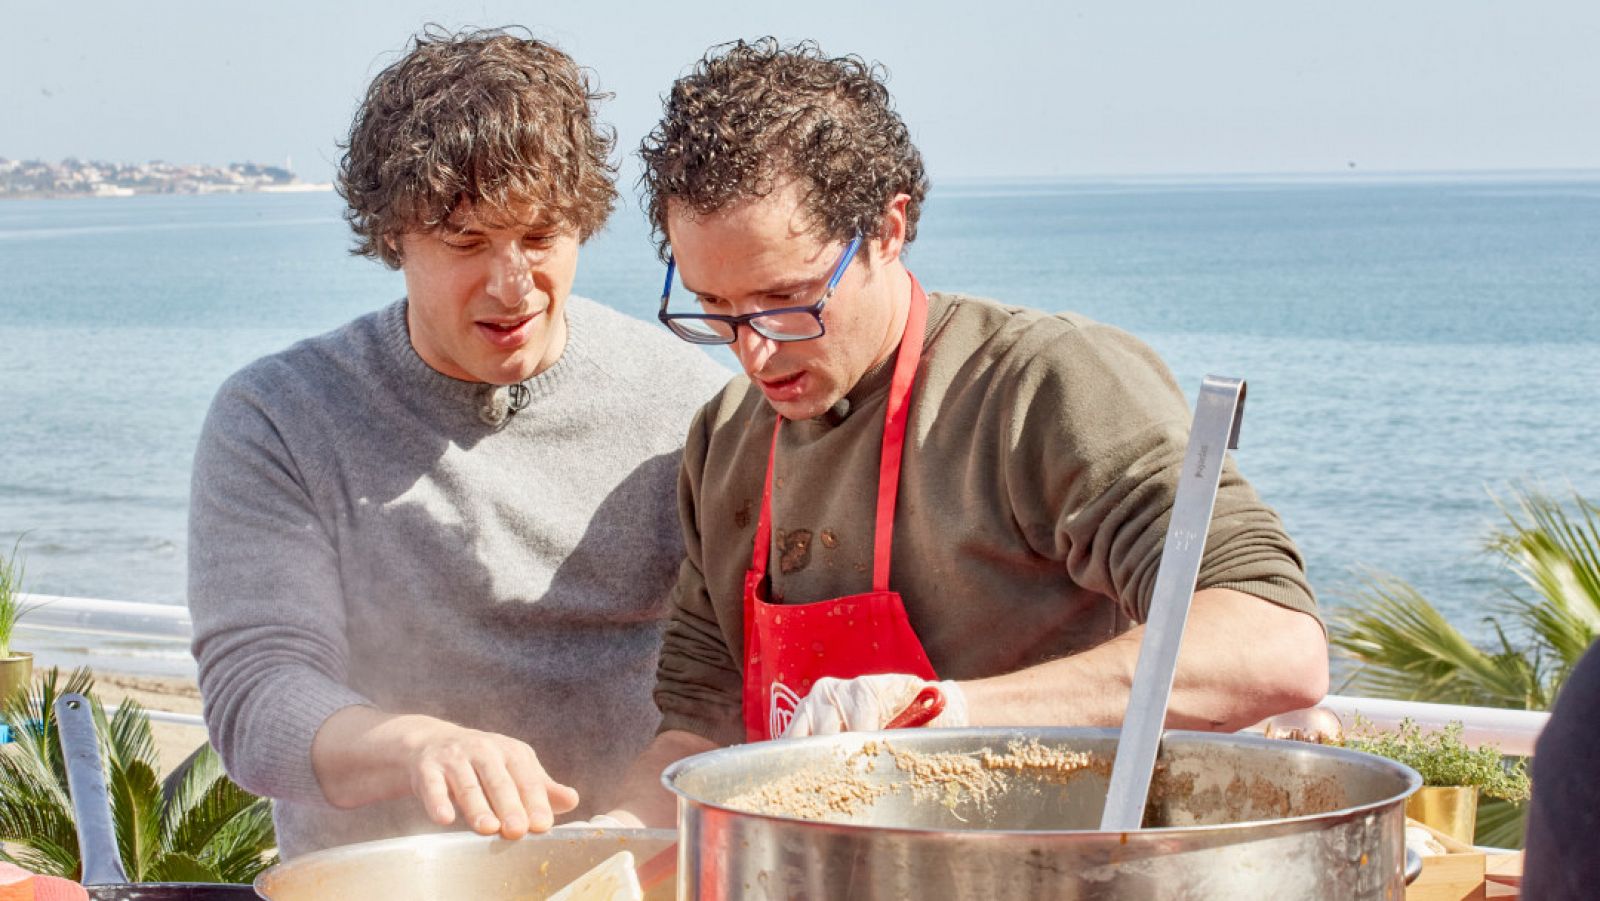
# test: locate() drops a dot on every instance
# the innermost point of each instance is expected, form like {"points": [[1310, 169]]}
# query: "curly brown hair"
{"points": [[753, 115], [492, 119]]}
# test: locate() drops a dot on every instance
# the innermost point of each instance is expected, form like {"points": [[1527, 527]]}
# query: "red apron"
{"points": [[788, 647]]}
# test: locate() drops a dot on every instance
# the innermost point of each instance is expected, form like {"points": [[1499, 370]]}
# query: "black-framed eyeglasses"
{"points": [[782, 324]]}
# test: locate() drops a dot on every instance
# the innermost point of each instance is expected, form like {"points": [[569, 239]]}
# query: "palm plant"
{"points": [[197, 826], [1406, 649]]}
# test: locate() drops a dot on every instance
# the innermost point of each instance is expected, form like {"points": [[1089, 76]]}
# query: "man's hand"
{"points": [[494, 783], [868, 703]]}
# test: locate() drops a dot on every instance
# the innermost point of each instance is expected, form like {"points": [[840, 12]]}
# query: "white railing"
{"points": [[126, 619], [142, 633], [166, 625], [167, 716]]}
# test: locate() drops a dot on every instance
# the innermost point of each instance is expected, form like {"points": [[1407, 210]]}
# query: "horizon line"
{"points": [[1298, 174]]}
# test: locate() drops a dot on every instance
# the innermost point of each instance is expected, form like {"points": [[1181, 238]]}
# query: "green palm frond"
{"points": [[1408, 650], [38, 828], [46, 857], [136, 813], [1501, 824], [1559, 635], [26, 773], [187, 784], [126, 736], [23, 777], [237, 850], [205, 803], [1556, 554]]}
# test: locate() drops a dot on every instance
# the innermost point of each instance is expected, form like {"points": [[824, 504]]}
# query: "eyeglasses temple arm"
{"points": [[666, 287], [844, 263]]}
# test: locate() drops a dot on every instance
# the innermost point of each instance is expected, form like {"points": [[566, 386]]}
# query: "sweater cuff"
{"points": [[289, 722]]}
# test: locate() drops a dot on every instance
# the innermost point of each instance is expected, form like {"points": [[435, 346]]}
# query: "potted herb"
{"points": [[16, 667], [1453, 775]]}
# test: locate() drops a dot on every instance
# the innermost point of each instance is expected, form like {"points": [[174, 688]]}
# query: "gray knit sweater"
{"points": [[362, 533]]}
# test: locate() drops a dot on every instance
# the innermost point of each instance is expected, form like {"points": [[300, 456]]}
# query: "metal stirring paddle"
{"points": [[1216, 428]]}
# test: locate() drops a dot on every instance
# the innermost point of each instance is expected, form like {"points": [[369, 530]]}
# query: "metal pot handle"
{"points": [[86, 783], [1413, 866]]}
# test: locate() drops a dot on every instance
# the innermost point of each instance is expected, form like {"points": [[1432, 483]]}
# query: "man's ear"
{"points": [[891, 238], [393, 244]]}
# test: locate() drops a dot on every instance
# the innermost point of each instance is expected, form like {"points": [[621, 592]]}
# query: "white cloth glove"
{"points": [[867, 703]]}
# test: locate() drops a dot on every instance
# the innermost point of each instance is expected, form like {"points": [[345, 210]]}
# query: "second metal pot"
{"points": [[458, 865]]}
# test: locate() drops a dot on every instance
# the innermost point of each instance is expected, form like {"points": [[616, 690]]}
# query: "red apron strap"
{"points": [[762, 548], [894, 433]]}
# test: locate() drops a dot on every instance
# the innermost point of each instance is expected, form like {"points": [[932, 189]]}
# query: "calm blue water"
{"points": [[1411, 345]]}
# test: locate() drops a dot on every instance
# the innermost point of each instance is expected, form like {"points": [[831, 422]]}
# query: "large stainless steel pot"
{"points": [[458, 865], [1239, 817]]}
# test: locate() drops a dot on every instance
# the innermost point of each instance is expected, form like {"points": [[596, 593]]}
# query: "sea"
{"points": [[1415, 347]]}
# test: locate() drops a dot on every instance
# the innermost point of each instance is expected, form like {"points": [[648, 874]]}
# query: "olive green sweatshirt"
{"points": [[1042, 457]]}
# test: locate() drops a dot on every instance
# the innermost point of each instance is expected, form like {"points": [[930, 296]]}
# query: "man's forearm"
{"points": [[1242, 659], [646, 802]]}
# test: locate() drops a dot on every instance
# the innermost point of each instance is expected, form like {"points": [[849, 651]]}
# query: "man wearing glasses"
{"points": [[1019, 466]]}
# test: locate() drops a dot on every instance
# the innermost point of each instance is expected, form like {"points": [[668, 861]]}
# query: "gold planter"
{"points": [[1451, 810], [16, 674]]}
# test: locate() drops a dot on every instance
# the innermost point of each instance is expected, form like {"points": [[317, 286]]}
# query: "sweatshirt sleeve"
{"points": [[1108, 426], [699, 686], [264, 596]]}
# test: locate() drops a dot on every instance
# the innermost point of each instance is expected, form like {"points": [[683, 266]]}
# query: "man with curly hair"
{"points": [[1020, 466], [430, 551]]}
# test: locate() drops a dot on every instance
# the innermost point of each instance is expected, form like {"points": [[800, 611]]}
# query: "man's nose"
{"points": [[510, 276], [753, 349]]}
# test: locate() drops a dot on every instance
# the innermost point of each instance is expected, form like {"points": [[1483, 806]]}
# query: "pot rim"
{"points": [[853, 740], [344, 855]]}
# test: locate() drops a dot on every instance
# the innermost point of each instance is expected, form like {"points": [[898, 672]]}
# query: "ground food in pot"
{"points": [[811, 796], [831, 793]]}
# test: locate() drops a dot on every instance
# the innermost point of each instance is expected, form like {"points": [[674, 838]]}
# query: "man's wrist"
{"points": [[363, 754]]}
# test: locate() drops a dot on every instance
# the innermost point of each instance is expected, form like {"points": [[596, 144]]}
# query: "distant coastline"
{"points": [[42, 180]]}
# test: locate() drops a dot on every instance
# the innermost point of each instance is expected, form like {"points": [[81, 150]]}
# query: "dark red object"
{"points": [[922, 710]]}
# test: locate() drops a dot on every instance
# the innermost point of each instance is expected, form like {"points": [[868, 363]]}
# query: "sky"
{"points": [[996, 88]]}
